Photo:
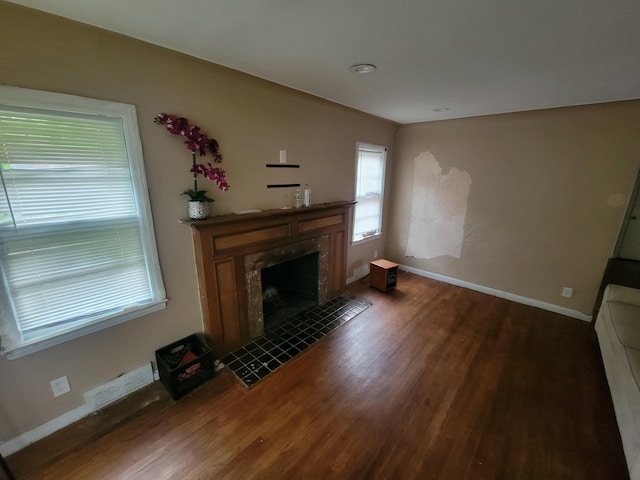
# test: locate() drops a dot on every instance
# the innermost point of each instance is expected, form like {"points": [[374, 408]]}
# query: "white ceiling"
{"points": [[473, 57]]}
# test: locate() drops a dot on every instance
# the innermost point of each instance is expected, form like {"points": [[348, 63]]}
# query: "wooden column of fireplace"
{"points": [[221, 243]]}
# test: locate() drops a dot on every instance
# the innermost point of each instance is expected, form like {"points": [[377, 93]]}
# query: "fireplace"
{"points": [[232, 250], [284, 281], [289, 288]]}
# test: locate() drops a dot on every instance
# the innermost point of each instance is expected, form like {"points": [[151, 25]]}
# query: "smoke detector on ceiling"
{"points": [[362, 68]]}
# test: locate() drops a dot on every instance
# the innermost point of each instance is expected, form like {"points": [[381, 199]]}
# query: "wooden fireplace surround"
{"points": [[221, 243]]}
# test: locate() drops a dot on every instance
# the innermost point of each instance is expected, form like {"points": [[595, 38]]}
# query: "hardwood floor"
{"points": [[432, 381]]}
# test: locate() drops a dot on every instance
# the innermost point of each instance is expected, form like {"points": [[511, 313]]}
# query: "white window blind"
{"points": [[76, 243], [58, 169], [370, 168]]}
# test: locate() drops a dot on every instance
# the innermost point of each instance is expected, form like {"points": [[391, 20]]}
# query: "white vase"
{"points": [[198, 210]]}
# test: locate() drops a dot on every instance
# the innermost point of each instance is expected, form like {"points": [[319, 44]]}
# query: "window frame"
{"points": [[363, 146], [71, 104]]}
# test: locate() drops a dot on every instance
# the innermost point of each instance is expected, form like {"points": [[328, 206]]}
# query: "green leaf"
{"points": [[198, 196]]}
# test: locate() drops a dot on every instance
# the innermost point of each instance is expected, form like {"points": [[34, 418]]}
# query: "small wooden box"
{"points": [[383, 274]]}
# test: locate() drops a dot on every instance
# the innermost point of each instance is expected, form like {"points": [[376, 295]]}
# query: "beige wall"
{"points": [[539, 213], [548, 192], [251, 118]]}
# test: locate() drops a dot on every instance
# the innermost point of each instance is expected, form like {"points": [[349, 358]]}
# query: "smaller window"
{"points": [[370, 166]]}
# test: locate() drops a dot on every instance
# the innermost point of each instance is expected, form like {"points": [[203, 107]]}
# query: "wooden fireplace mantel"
{"points": [[221, 243]]}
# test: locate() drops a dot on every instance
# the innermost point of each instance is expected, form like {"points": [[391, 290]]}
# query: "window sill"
{"points": [[366, 239], [36, 345]]}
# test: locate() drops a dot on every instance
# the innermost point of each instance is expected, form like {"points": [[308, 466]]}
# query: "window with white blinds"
{"points": [[77, 252], [370, 167]]}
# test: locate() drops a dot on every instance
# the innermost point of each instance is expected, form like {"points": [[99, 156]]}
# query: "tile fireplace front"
{"points": [[308, 262]]}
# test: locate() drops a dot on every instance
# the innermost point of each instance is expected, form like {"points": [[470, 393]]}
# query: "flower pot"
{"points": [[198, 210]]}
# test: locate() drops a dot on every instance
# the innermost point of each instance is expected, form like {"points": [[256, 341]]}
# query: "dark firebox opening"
{"points": [[289, 288]]}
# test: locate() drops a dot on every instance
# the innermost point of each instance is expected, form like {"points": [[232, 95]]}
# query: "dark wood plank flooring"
{"points": [[432, 381]]}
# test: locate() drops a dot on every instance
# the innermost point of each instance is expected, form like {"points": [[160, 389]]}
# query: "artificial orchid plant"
{"points": [[197, 142]]}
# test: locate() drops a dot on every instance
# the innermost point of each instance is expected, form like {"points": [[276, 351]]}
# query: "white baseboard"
{"points": [[38, 433], [130, 382], [499, 293]]}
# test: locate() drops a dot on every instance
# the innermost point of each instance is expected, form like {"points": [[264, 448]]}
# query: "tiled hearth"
{"points": [[284, 341]]}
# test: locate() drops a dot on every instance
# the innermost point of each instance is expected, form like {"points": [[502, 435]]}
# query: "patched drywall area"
{"points": [[438, 209]]}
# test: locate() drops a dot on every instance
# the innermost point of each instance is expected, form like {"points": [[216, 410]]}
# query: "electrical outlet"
{"points": [[567, 292], [375, 254], [60, 386]]}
